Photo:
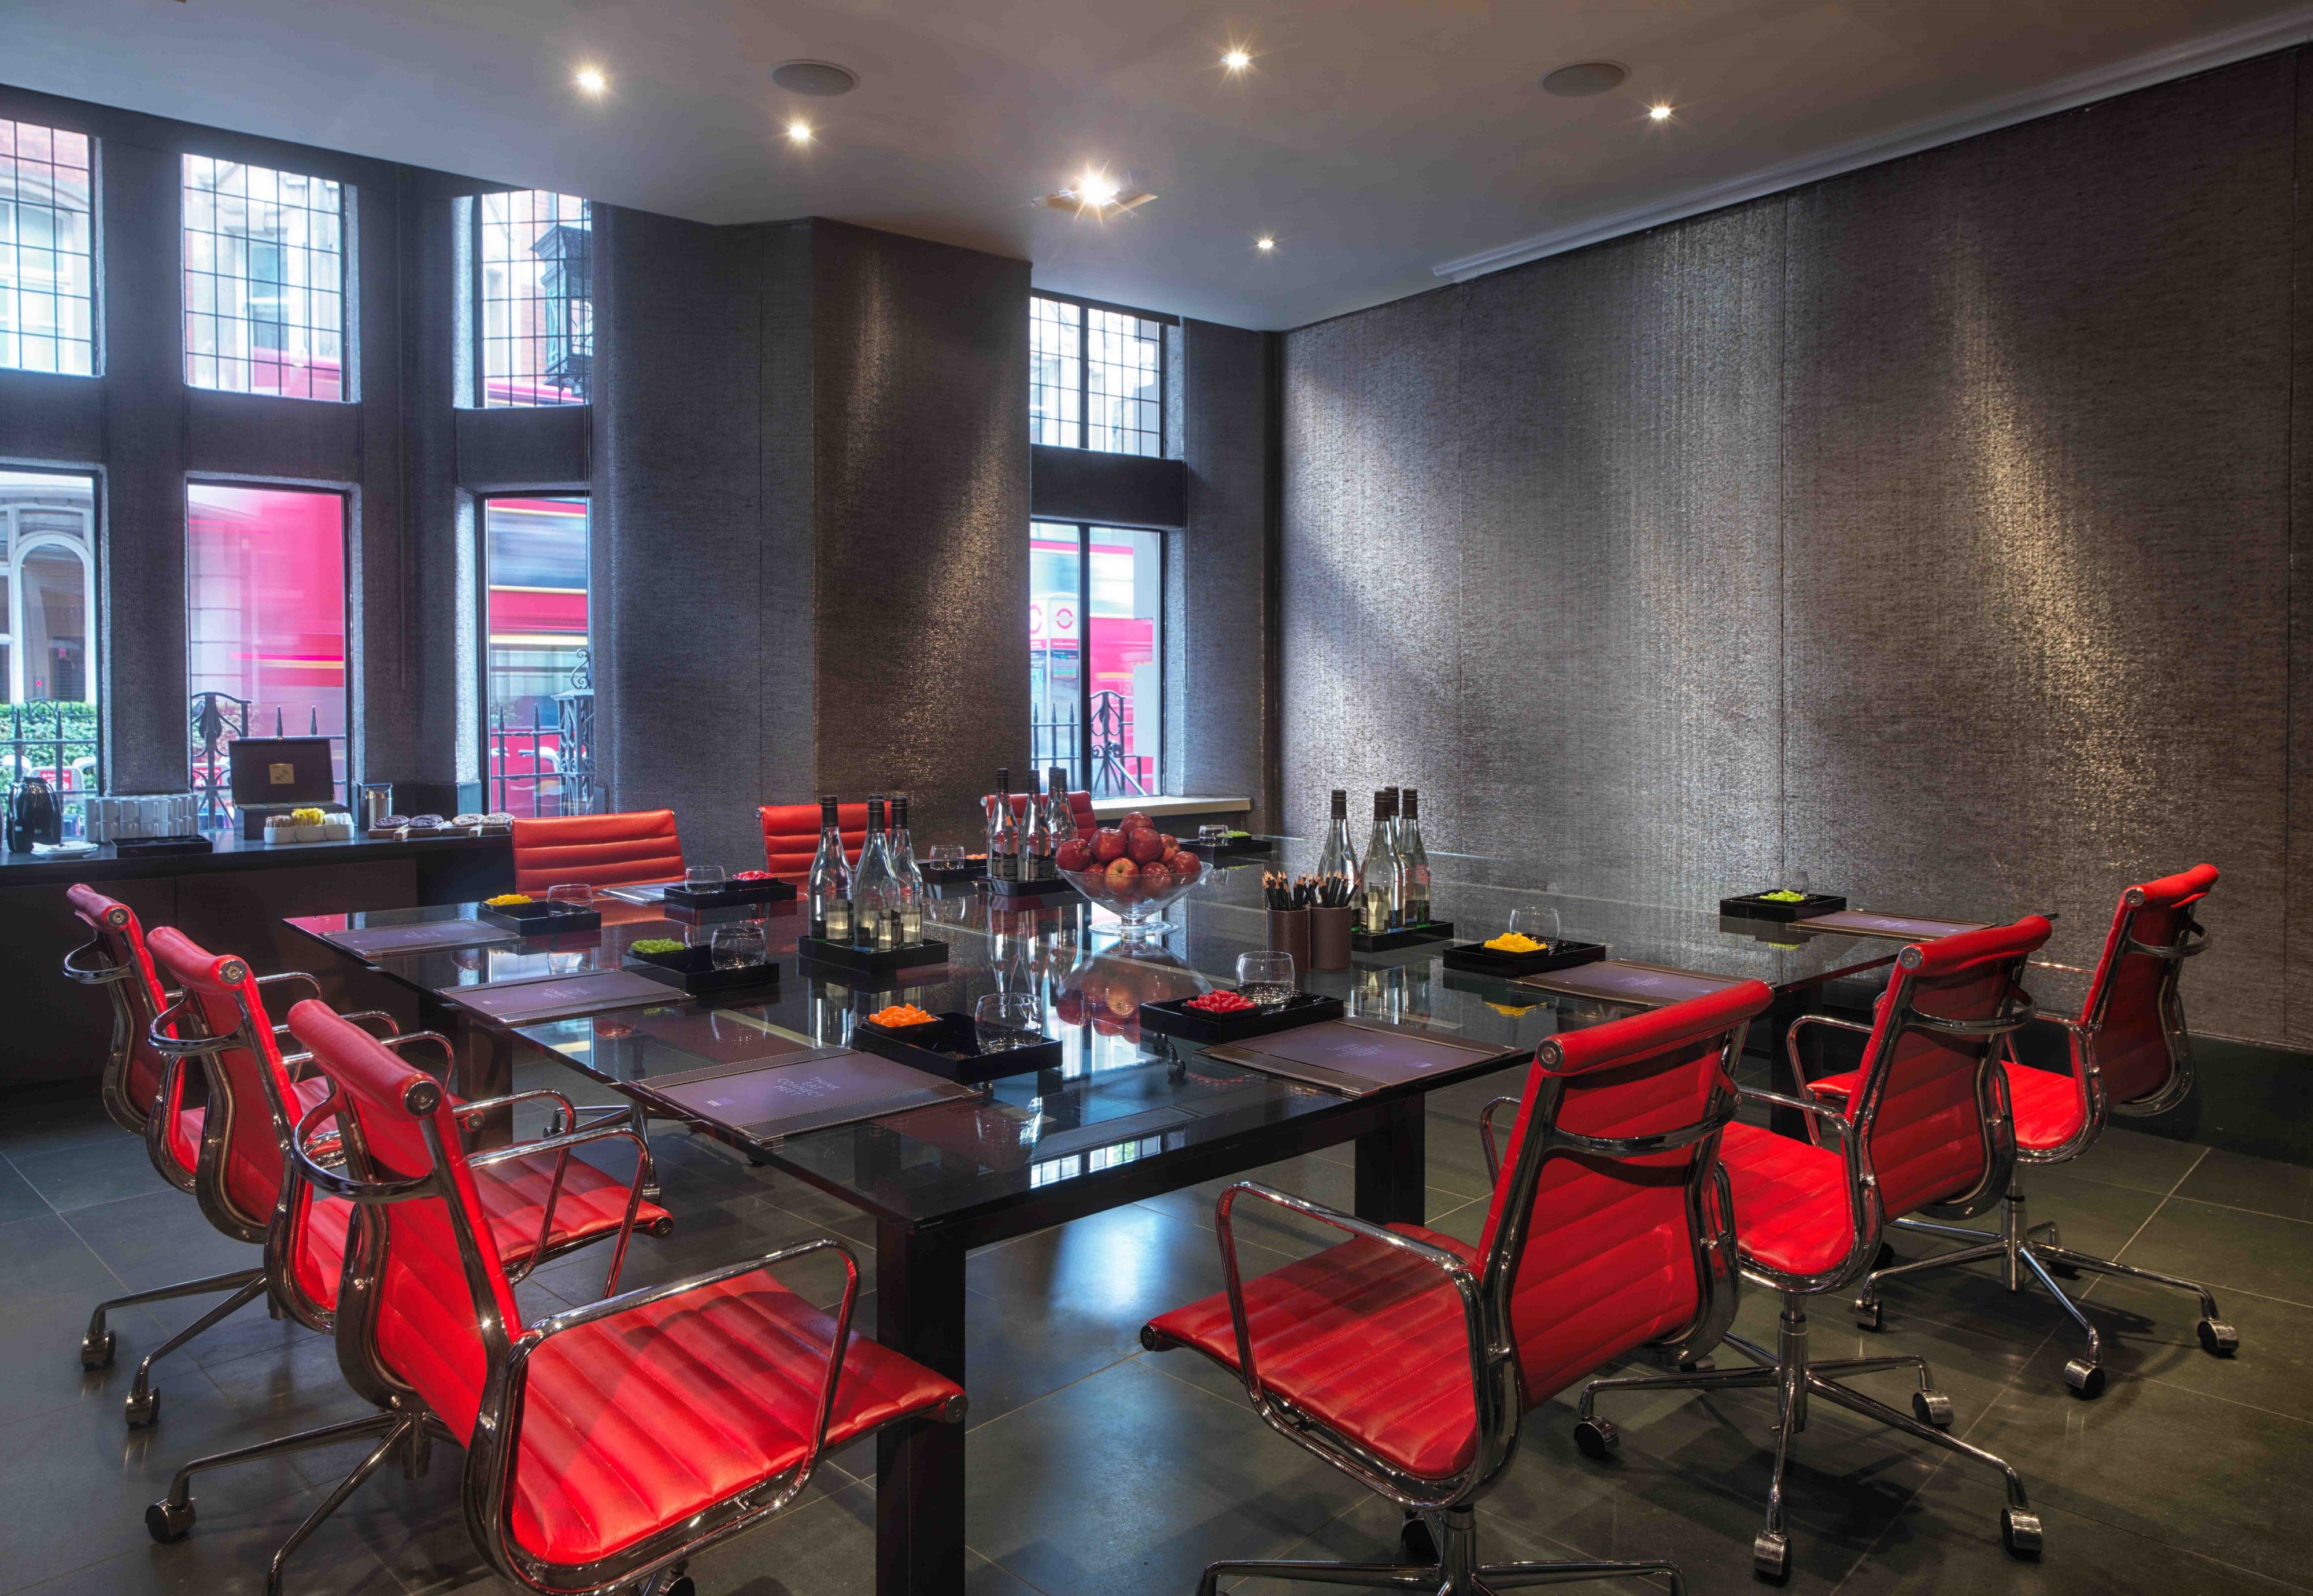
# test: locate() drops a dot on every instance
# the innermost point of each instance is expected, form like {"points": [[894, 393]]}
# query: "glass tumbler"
{"points": [[704, 878], [1265, 978], [1536, 921], [571, 896], [738, 943], [1003, 1020]]}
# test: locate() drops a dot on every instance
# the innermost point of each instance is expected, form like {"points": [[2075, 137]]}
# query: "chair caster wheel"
{"points": [[96, 1351], [1597, 1438], [2019, 1533], [1884, 1259], [168, 1520], [1932, 1407], [1866, 1313], [1770, 1556], [143, 1407], [2086, 1379], [2218, 1338], [1415, 1542]]}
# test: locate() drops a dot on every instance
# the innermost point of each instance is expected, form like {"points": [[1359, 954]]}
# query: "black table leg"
{"points": [[1787, 1006], [919, 1463], [485, 1066], [1393, 1165]]}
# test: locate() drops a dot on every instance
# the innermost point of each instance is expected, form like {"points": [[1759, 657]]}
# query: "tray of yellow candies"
{"points": [[1514, 954]]}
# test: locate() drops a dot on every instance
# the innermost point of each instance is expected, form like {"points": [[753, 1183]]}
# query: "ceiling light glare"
{"points": [[1098, 190], [1237, 60], [1265, 245], [1660, 113], [592, 80], [798, 132]]}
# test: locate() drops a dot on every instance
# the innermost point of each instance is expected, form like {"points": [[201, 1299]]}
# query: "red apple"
{"points": [[1145, 847], [1156, 879], [1070, 1007], [1073, 855], [1121, 874], [1185, 866], [1136, 820], [1172, 843], [1107, 845]]}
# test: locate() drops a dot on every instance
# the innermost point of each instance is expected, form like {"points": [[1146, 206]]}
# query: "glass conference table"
{"points": [[1122, 1116]]}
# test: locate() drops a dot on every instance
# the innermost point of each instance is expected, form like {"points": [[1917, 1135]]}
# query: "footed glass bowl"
{"points": [[1141, 910]]}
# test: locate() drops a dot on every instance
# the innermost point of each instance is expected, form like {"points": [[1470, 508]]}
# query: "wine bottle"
{"points": [[1064, 816], [1338, 860], [1036, 839], [1413, 863], [910, 892], [830, 885], [1002, 832], [872, 922], [1377, 881]]}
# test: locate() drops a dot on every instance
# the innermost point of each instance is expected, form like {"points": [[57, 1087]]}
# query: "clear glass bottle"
{"points": [[828, 886], [1377, 881], [1064, 815], [1036, 839], [872, 922], [910, 892], [1002, 832], [1338, 860], [1413, 863]]}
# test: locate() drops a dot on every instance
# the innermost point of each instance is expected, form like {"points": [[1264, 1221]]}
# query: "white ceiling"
{"points": [[1376, 139]]}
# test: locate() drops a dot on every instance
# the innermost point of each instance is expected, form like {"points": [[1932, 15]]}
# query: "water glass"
{"points": [[704, 878], [1212, 834], [946, 853], [571, 895], [740, 943], [1003, 1020], [1265, 978], [1536, 921]]}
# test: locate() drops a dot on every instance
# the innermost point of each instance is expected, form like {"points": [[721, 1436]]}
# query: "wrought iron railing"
{"points": [[218, 719], [1054, 738], [560, 777], [52, 738]]}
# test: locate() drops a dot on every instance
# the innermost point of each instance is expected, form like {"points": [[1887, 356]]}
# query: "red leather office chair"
{"points": [[603, 1446], [544, 1205], [1079, 806], [791, 835], [114, 957], [2129, 1054], [1930, 1131], [596, 849], [1405, 1358]]}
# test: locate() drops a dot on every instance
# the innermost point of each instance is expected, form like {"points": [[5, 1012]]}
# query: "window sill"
{"points": [[1115, 808]]}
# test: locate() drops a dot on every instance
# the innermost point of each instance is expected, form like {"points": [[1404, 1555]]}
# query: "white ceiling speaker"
{"points": [[1585, 78], [824, 79]]}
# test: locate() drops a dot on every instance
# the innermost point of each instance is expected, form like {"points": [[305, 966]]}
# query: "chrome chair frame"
{"points": [[1447, 1511], [1789, 1370], [2025, 1250]]}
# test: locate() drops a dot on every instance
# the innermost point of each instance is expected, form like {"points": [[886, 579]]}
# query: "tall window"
{"points": [[538, 711], [48, 602], [265, 580], [534, 292], [46, 265], [265, 280], [1096, 377], [1096, 655]]}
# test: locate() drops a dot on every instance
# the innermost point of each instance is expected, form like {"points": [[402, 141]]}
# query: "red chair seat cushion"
{"points": [[185, 1143], [2046, 1106], [513, 1194], [1791, 1200], [1363, 1337], [640, 1420]]}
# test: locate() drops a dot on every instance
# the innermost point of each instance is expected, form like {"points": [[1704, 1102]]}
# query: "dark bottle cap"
{"points": [[898, 810], [1411, 801], [1381, 804], [827, 807], [875, 811], [1340, 804]]}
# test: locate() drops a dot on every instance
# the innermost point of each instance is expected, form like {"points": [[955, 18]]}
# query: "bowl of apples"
{"points": [[1133, 870]]}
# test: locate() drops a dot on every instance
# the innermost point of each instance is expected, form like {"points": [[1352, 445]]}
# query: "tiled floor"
{"points": [[1097, 1468]]}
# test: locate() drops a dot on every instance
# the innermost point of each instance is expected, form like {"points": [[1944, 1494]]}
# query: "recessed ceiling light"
{"points": [[1237, 60], [592, 80], [799, 132], [1266, 244], [823, 78], [1094, 193], [1584, 78], [1660, 113]]}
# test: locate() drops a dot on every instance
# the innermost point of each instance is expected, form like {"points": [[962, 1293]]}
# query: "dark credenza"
{"points": [[231, 901]]}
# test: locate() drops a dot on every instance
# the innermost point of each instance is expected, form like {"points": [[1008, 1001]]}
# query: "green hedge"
{"points": [[38, 720]]}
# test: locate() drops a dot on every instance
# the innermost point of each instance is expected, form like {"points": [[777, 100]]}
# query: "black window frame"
{"points": [[1165, 418], [1083, 751]]}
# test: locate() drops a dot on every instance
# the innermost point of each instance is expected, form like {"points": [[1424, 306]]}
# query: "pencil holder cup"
{"points": [[1329, 939], [1289, 932]]}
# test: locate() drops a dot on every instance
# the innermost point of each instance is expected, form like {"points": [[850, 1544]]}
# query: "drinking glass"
{"points": [[1536, 921], [1003, 1020], [571, 896], [1212, 834], [946, 853], [739, 943], [704, 878], [1265, 979]]}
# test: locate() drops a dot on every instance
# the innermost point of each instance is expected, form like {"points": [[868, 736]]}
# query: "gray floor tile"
{"points": [[2227, 1247], [2263, 1185], [49, 1127], [18, 1200], [2133, 1158], [103, 1171], [2148, 1331], [226, 1556]]}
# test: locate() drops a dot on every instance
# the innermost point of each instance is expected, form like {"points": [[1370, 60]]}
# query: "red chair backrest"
{"points": [[791, 835], [1929, 1137], [412, 1312], [1079, 805], [248, 1086], [596, 851], [1612, 1252], [2131, 998], [140, 1069]]}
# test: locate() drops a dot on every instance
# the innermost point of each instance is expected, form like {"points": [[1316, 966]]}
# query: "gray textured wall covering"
{"points": [[1928, 530], [1217, 624]]}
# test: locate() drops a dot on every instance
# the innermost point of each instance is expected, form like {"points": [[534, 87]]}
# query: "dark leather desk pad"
{"points": [[1356, 1056], [782, 1098]]}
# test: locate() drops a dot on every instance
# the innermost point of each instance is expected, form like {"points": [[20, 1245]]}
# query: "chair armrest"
{"points": [[566, 1117], [1457, 1274], [432, 1038], [561, 1146], [279, 976], [1486, 1137], [376, 1021], [100, 974]]}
